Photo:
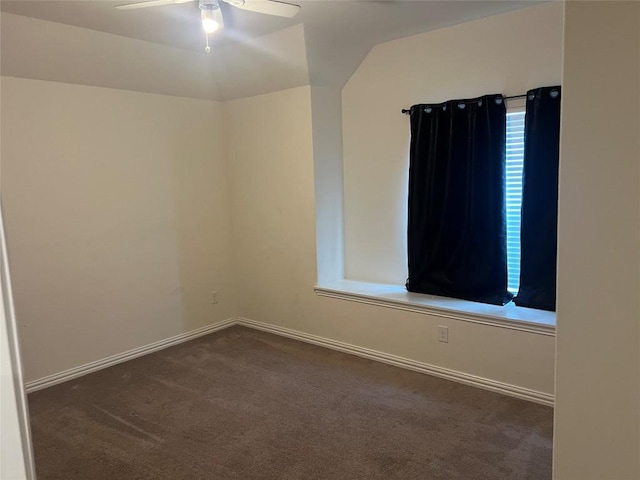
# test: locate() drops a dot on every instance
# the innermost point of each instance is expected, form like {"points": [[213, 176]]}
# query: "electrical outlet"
{"points": [[443, 334], [214, 297]]}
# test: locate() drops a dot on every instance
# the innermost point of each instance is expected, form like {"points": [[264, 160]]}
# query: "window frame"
{"points": [[509, 316]]}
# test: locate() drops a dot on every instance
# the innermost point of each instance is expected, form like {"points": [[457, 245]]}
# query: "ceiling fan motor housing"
{"points": [[209, 4]]}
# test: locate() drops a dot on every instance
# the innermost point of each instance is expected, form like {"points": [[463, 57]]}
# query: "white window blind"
{"points": [[514, 166]]}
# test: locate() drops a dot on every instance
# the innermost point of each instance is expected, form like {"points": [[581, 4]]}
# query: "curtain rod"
{"points": [[407, 111]]}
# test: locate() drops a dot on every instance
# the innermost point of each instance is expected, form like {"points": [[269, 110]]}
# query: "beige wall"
{"points": [[508, 53], [120, 209], [117, 219], [270, 154], [326, 119], [597, 424]]}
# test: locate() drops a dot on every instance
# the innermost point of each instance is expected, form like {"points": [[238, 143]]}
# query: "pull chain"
{"points": [[207, 48]]}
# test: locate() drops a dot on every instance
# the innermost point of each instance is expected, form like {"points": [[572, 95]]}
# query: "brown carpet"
{"points": [[243, 404]]}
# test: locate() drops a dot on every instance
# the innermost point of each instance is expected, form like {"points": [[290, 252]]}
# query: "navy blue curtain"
{"points": [[456, 224], [540, 200]]}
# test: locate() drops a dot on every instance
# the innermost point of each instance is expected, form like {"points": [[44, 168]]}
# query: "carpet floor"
{"points": [[244, 404]]}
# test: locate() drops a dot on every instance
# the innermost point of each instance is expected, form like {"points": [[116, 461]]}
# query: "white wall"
{"points": [[270, 154], [13, 464], [117, 218], [119, 210], [326, 110], [16, 458], [597, 425], [508, 53], [16, 455], [12, 454]]}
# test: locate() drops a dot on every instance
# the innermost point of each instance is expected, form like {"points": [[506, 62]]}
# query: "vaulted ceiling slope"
{"points": [[160, 50]]}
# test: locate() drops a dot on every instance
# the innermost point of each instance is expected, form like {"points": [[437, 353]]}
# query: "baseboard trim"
{"points": [[448, 374], [416, 366], [91, 367]]}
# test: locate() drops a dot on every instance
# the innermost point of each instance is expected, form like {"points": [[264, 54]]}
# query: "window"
{"points": [[466, 178], [456, 245], [514, 167], [528, 254]]}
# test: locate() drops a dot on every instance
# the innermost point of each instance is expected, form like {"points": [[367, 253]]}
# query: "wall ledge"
{"points": [[395, 296]]}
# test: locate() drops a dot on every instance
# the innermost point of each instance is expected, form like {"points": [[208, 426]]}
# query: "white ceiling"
{"points": [[255, 53], [178, 25]]}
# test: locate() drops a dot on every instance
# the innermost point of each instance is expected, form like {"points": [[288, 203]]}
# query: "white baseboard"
{"points": [[91, 367], [460, 377]]}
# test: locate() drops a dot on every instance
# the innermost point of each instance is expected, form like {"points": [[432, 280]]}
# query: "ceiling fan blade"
{"points": [[270, 7], [149, 3]]}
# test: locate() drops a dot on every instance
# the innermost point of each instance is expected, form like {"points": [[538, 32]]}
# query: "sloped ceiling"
{"points": [[160, 50]]}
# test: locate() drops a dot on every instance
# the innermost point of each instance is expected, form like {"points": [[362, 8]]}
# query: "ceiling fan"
{"points": [[212, 15]]}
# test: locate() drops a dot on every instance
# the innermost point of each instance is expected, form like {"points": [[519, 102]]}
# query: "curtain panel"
{"points": [[456, 212], [540, 200]]}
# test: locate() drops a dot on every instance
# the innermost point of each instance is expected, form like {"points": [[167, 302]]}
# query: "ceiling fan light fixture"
{"points": [[209, 23], [211, 15]]}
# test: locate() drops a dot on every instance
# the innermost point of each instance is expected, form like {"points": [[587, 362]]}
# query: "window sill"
{"points": [[395, 296]]}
